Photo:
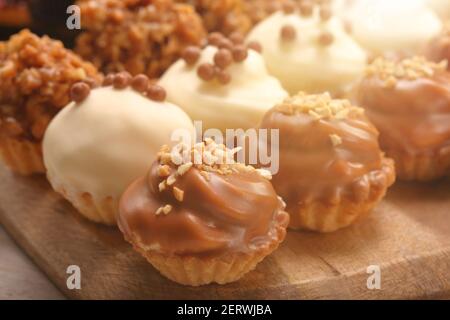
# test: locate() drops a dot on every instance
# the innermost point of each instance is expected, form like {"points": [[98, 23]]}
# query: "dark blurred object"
{"points": [[49, 17], [14, 13]]}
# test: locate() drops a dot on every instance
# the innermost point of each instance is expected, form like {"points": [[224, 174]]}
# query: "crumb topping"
{"points": [[318, 106], [408, 69], [36, 74]]}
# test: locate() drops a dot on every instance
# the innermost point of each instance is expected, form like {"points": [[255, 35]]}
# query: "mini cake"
{"points": [[203, 219], [439, 48], [35, 78], [409, 102], [14, 13], [225, 16], [331, 168], [226, 84], [308, 49], [103, 140], [386, 26], [138, 36], [440, 7]]}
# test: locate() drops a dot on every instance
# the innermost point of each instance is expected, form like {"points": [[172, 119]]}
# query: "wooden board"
{"points": [[408, 236]]}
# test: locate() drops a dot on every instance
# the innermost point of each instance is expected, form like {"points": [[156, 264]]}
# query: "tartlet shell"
{"points": [[325, 216], [22, 156]]}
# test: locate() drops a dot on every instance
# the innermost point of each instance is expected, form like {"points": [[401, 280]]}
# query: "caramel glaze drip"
{"points": [[413, 116], [237, 211], [312, 168]]}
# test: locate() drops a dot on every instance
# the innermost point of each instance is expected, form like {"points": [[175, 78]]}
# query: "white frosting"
{"points": [[239, 104], [440, 7], [111, 138], [303, 64], [383, 26]]}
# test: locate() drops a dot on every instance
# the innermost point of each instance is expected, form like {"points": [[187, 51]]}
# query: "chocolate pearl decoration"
{"points": [[306, 9], [108, 80], [79, 91], [206, 72], [91, 83], [225, 44], [237, 38], [223, 77], [254, 45], [121, 80], [191, 55], [325, 13], [214, 38], [288, 33], [288, 7], [240, 53], [140, 82], [156, 93], [326, 39], [223, 58]]}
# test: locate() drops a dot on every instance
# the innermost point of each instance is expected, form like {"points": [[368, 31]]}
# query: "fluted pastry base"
{"points": [[421, 167], [98, 209], [324, 216], [197, 270], [22, 156]]}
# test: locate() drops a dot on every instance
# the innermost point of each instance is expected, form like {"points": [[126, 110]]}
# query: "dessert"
{"points": [[409, 102], [225, 16], [308, 49], [35, 78], [204, 219], [439, 48], [387, 26], [225, 85], [139, 36], [106, 138], [14, 13], [440, 7], [331, 168]]}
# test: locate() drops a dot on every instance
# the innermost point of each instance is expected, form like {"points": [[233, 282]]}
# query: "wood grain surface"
{"points": [[408, 236], [19, 276]]}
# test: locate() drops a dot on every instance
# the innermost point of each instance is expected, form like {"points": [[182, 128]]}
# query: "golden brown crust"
{"points": [[35, 77], [421, 167], [135, 35], [100, 210], [22, 156], [333, 214]]}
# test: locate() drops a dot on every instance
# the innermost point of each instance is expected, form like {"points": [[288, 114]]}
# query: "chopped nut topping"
{"points": [[335, 140], [165, 209], [164, 170], [162, 186], [319, 106], [178, 194], [408, 69], [184, 168]]}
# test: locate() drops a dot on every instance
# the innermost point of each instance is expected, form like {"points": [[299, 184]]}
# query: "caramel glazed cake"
{"points": [[200, 217]]}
